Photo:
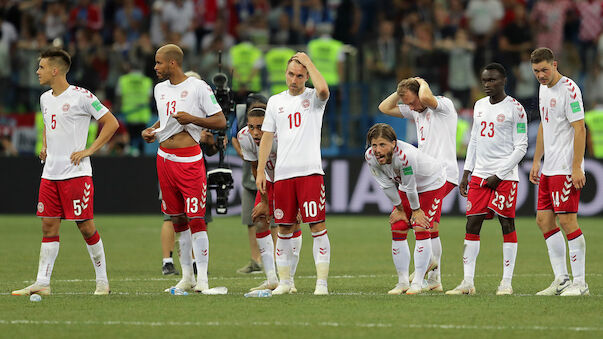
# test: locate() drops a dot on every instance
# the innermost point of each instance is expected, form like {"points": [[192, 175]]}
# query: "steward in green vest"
{"points": [[246, 61], [462, 137], [135, 91], [594, 122], [325, 52], [276, 65]]}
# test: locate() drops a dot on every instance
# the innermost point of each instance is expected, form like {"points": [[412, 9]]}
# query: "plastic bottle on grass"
{"points": [[259, 294], [177, 291]]}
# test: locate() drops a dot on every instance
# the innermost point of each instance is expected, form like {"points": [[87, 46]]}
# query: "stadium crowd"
{"points": [[380, 42]]}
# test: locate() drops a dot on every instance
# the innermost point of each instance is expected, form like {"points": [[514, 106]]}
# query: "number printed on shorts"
{"points": [[77, 207], [498, 201], [294, 120], [192, 205], [310, 208]]}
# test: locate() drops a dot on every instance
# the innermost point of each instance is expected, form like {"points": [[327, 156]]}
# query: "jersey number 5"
{"points": [[489, 133], [294, 120], [545, 114], [53, 121]]}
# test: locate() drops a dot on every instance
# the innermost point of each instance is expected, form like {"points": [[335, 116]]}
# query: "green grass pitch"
{"points": [[361, 274]]}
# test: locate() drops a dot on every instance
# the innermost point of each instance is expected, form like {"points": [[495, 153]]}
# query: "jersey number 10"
{"points": [[294, 120]]}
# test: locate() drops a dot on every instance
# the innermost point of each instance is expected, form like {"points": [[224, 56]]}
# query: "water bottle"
{"points": [[259, 294], [177, 291]]}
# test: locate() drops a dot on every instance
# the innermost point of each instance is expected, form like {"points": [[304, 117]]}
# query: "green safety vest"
{"points": [[276, 65], [244, 56], [92, 130], [135, 90], [324, 52], [594, 121], [462, 126]]}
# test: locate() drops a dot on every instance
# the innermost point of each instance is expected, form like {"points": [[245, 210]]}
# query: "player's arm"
{"points": [[215, 121], [389, 105], [148, 134], [538, 153], [210, 147], [469, 159], [425, 95], [261, 209], [237, 146], [390, 189], [264, 152], [520, 145], [322, 89], [110, 125], [43, 153], [578, 177]]}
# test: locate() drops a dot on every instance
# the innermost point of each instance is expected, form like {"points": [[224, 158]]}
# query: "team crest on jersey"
{"points": [[66, 107], [553, 102], [278, 213], [469, 205], [306, 103], [500, 117], [40, 207], [183, 94]]}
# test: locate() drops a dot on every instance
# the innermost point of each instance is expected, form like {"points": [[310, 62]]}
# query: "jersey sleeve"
{"points": [[406, 112], [407, 161], [520, 141], [207, 100], [471, 148], [269, 124], [246, 147], [318, 104], [91, 104], [388, 186], [574, 109], [445, 106]]}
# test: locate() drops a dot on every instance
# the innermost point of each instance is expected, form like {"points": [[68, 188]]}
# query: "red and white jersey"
{"points": [[560, 105], [499, 139], [298, 121], [411, 170], [192, 96], [436, 133], [251, 151], [66, 120]]}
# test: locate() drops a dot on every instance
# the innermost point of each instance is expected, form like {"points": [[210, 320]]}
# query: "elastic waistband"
{"points": [[184, 154]]}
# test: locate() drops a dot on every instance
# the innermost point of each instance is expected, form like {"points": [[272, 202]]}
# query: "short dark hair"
{"points": [[496, 67], [257, 109], [381, 130], [57, 55], [410, 84], [542, 54]]}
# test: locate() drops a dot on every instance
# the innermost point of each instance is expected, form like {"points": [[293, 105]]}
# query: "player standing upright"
{"points": [[66, 188], [561, 138], [499, 141], [296, 116], [420, 181], [435, 119], [185, 105]]}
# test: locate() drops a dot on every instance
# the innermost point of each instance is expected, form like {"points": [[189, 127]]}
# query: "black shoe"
{"points": [[168, 269]]}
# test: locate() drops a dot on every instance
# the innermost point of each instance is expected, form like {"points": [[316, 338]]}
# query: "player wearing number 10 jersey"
{"points": [[561, 138], [296, 116], [498, 143], [66, 189]]}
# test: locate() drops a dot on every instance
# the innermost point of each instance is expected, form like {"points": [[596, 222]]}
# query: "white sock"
{"points": [[556, 246], [401, 257], [422, 257], [186, 254], [266, 247], [296, 245], [469, 259], [322, 255], [97, 255], [509, 255], [577, 252], [48, 255], [436, 254], [201, 250], [168, 260], [283, 248]]}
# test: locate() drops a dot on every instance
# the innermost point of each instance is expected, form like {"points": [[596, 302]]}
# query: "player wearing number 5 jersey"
{"points": [[185, 105], [296, 116], [561, 139], [66, 189], [498, 143]]}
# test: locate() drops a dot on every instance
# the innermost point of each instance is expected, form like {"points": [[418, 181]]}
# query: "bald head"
{"points": [[171, 52]]}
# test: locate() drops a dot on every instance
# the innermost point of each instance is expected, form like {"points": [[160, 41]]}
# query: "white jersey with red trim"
{"points": [[499, 139], [66, 121], [251, 151], [560, 105], [192, 96], [436, 133], [298, 121]]}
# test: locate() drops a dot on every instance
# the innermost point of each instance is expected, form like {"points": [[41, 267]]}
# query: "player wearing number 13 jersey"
{"points": [[66, 189], [296, 116], [185, 105], [561, 139], [498, 143]]}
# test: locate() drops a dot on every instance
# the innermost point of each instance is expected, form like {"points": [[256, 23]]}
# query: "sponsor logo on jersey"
{"points": [[162, 97], [575, 107], [521, 127], [500, 117], [66, 107], [97, 105], [553, 102], [278, 213], [183, 94], [407, 170], [281, 110], [40, 207], [306, 103], [479, 114]]}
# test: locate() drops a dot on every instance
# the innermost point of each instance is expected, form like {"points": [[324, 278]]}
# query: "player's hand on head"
{"points": [[183, 118], [578, 178], [534, 178], [302, 58], [76, 157]]}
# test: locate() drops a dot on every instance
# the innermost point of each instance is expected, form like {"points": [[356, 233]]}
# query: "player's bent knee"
{"points": [[86, 227], [319, 226], [401, 226], [569, 222]]}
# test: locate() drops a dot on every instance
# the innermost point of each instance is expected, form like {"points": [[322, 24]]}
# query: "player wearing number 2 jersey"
{"points": [[435, 118], [296, 116], [185, 105], [561, 139], [66, 189], [498, 143]]}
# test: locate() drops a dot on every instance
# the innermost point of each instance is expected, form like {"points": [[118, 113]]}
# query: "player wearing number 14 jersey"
{"points": [[66, 189], [561, 138], [498, 143], [296, 116]]}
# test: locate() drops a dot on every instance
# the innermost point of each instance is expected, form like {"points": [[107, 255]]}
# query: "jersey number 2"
{"points": [[294, 120]]}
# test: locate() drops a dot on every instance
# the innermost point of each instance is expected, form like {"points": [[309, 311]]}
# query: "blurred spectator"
{"points": [[208, 62], [143, 53], [347, 23], [7, 126], [381, 56], [515, 39], [461, 78], [483, 17], [129, 18], [246, 61], [420, 46], [8, 43], [178, 17], [220, 32], [287, 31], [548, 18], [29, 48], [526, 89], [157, 28], [85, 15], [591, 25], [55, 20], [276, 66]]}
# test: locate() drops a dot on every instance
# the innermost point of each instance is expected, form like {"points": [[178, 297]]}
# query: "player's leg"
{"points": [[296, 245], [248, 198], [96, 250], [422, 258], [400, 256], [577, 253], [265, 243], [283, 264], [185, 245], [167, 246], [434, 272], [285, 215], [471, 246], [509, 254]]}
